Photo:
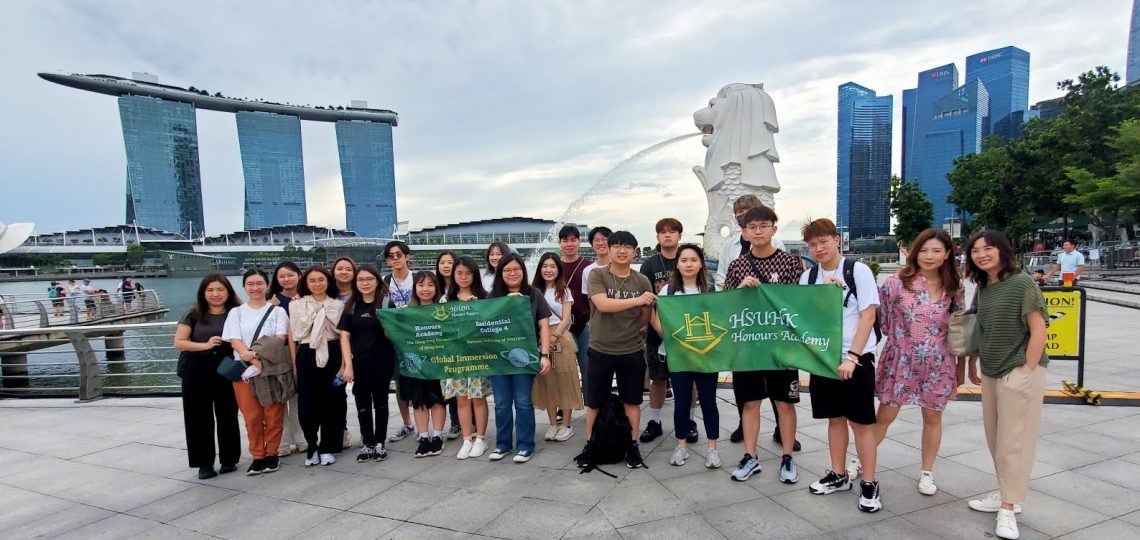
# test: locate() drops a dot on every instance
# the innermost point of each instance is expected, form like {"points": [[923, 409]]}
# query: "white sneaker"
{"points": [[854, 469], [478, 447], [328, 459], [314, 460], [465, 450], [712, 460], [286, 450], [1006, 525], [551, 432], [680, 454], [991, 503], [926, 484], [564, 434]]}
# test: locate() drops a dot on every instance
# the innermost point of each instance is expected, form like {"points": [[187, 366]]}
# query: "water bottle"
{"points": [[338, 381]]}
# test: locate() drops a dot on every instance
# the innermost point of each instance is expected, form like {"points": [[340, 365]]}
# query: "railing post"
{"points": [[90, 377], [43, 313]]}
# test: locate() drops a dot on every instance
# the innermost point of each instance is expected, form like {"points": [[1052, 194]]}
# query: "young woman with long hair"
{"points": [[283, 290], [916, 367], [263, 422], [372, 357], [1012, 319], [426, 395], [560, 389], [514, 408], [344, 271], [208, 398], [444, 270], [470, 393], [495, 253], [691, 277], [322, 367]]}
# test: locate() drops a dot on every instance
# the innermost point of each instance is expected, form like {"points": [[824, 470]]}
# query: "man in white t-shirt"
{"points": [[850, 400], [1068, 260], [399, 283]]}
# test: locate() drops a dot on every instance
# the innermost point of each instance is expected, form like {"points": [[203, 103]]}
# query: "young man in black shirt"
{"points": [[657, 269]]}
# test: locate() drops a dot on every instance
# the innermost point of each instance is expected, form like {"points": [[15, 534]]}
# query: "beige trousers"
{"points": [[1011, 411]]}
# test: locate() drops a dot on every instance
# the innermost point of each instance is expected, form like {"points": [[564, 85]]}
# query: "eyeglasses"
{"points": [[395, 255], [761, 227], [512, 271], [365, 279]]}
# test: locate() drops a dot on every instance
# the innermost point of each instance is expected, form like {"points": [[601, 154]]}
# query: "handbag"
{"points": [[231, 368], [963, 334]]}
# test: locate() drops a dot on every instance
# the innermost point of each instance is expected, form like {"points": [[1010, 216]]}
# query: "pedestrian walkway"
{"points": [[116, 468]]}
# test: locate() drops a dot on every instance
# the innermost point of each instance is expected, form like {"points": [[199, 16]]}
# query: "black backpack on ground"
{"points": [[610, 440], [852, 290]]}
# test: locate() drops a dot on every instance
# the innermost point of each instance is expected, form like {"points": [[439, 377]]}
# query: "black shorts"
{"points": [[778, 384], [421, 393], [600, 371], [853, 398], [656, 365]]}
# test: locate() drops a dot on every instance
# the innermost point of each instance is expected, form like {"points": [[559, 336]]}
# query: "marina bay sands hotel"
{"points": [[164, 183]]}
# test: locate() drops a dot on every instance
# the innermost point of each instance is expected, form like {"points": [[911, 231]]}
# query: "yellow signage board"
{"points": [[1065, 321]]}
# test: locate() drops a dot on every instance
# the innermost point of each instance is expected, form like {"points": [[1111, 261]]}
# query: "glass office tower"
{"points": [[956, 127], [863, 158], [274, 169], [369, 177], [1005, 74], [164, 182]]}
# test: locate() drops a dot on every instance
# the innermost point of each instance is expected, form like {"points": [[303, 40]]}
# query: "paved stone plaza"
{"points": [[116, 468]]}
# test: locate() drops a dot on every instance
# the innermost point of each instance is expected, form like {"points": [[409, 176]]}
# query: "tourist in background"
{"points": [[372, 358], [208, 398], [470, 393], [322, 368], [399, 283], [140, 294], [263, 423], [74, 296], [691, 277], [514, 405], [574, 271], [560, 389], [90, 298], [282, 291], [426, 395], [495, 252], [56, 294], [657, 270], [344, 271], [127, 293], [444, 270], [916, 367], [1012, 320]]}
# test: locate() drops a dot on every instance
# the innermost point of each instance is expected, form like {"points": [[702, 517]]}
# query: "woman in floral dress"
{"points": [[916, 367]]}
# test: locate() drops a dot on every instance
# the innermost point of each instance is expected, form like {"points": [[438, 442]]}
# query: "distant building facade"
{"points": [[164, 181], [1132, 73], [274, 169], [863, 159], [367, 170], [1005, 74]]}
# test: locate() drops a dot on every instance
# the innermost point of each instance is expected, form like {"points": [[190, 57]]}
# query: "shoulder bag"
{"points": [[963, 335]]}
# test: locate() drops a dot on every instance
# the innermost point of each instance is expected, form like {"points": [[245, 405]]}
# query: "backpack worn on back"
{"points": [[610, 439], [852, 290]]}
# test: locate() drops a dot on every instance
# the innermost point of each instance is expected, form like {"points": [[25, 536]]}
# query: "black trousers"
{"points": [[207, 403], [320, 406], [370, 388]]}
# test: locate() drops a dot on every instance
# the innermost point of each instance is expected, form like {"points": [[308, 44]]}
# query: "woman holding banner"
{"points": [[514, 391], [470, 393], [372, 357], [322, 367], [560, 389], [691, 277], [916, 368]]}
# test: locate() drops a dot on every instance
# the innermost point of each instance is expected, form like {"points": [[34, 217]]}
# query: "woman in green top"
{"points": [[1011, 320]]}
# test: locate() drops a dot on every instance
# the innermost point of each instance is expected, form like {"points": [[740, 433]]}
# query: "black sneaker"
{"points": [[633, 455], [365, 454], [779, 440], [583, 459], [454, 432], [379, 452], [227, 468], [737, 435], [424, 447], [692, 436], [652, 431], [830, 483], [255, 468], [869, 497], [435, 447], [206, 473], [271, 463]]}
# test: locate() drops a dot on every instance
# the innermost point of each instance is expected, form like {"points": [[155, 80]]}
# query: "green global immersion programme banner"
{"points": [[464, 339], [767, 327]]}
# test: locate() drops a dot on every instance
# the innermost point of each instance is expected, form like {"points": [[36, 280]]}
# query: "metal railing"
{"points": [[37, 311], [135, 359]]}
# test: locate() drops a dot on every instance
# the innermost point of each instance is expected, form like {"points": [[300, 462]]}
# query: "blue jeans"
{"points": [[513, 391], [582, 340]]}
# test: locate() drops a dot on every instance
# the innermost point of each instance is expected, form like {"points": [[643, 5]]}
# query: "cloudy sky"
{"points": [[506, 108]]}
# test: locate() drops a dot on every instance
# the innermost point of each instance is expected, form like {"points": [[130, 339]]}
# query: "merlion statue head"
{"points": [[738, 124]]}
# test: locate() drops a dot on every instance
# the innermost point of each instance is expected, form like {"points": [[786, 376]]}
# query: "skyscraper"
{"points": [[1005, 74], [918, 111], [1132, 74], [368, 173], [164, 182], [956, 127], [274, 169], [863, 158]]}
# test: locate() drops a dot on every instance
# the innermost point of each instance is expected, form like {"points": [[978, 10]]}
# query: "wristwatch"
{"points": [[545, 355]]}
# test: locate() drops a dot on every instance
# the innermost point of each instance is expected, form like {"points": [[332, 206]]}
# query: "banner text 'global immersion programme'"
{"points": [[463, 339], [767, 327]]}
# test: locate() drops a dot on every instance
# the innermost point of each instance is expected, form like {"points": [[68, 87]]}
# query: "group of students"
{"points": [[595, 321]]}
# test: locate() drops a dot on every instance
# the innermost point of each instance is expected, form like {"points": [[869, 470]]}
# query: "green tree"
{"points": [[1116, 197], [912, 211]]}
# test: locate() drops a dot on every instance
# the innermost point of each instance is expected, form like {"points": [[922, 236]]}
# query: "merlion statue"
{"points": [[738, 125]]}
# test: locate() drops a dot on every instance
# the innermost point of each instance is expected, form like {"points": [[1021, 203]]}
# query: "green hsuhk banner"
{"points": [[464, 339], [767, 327]]}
